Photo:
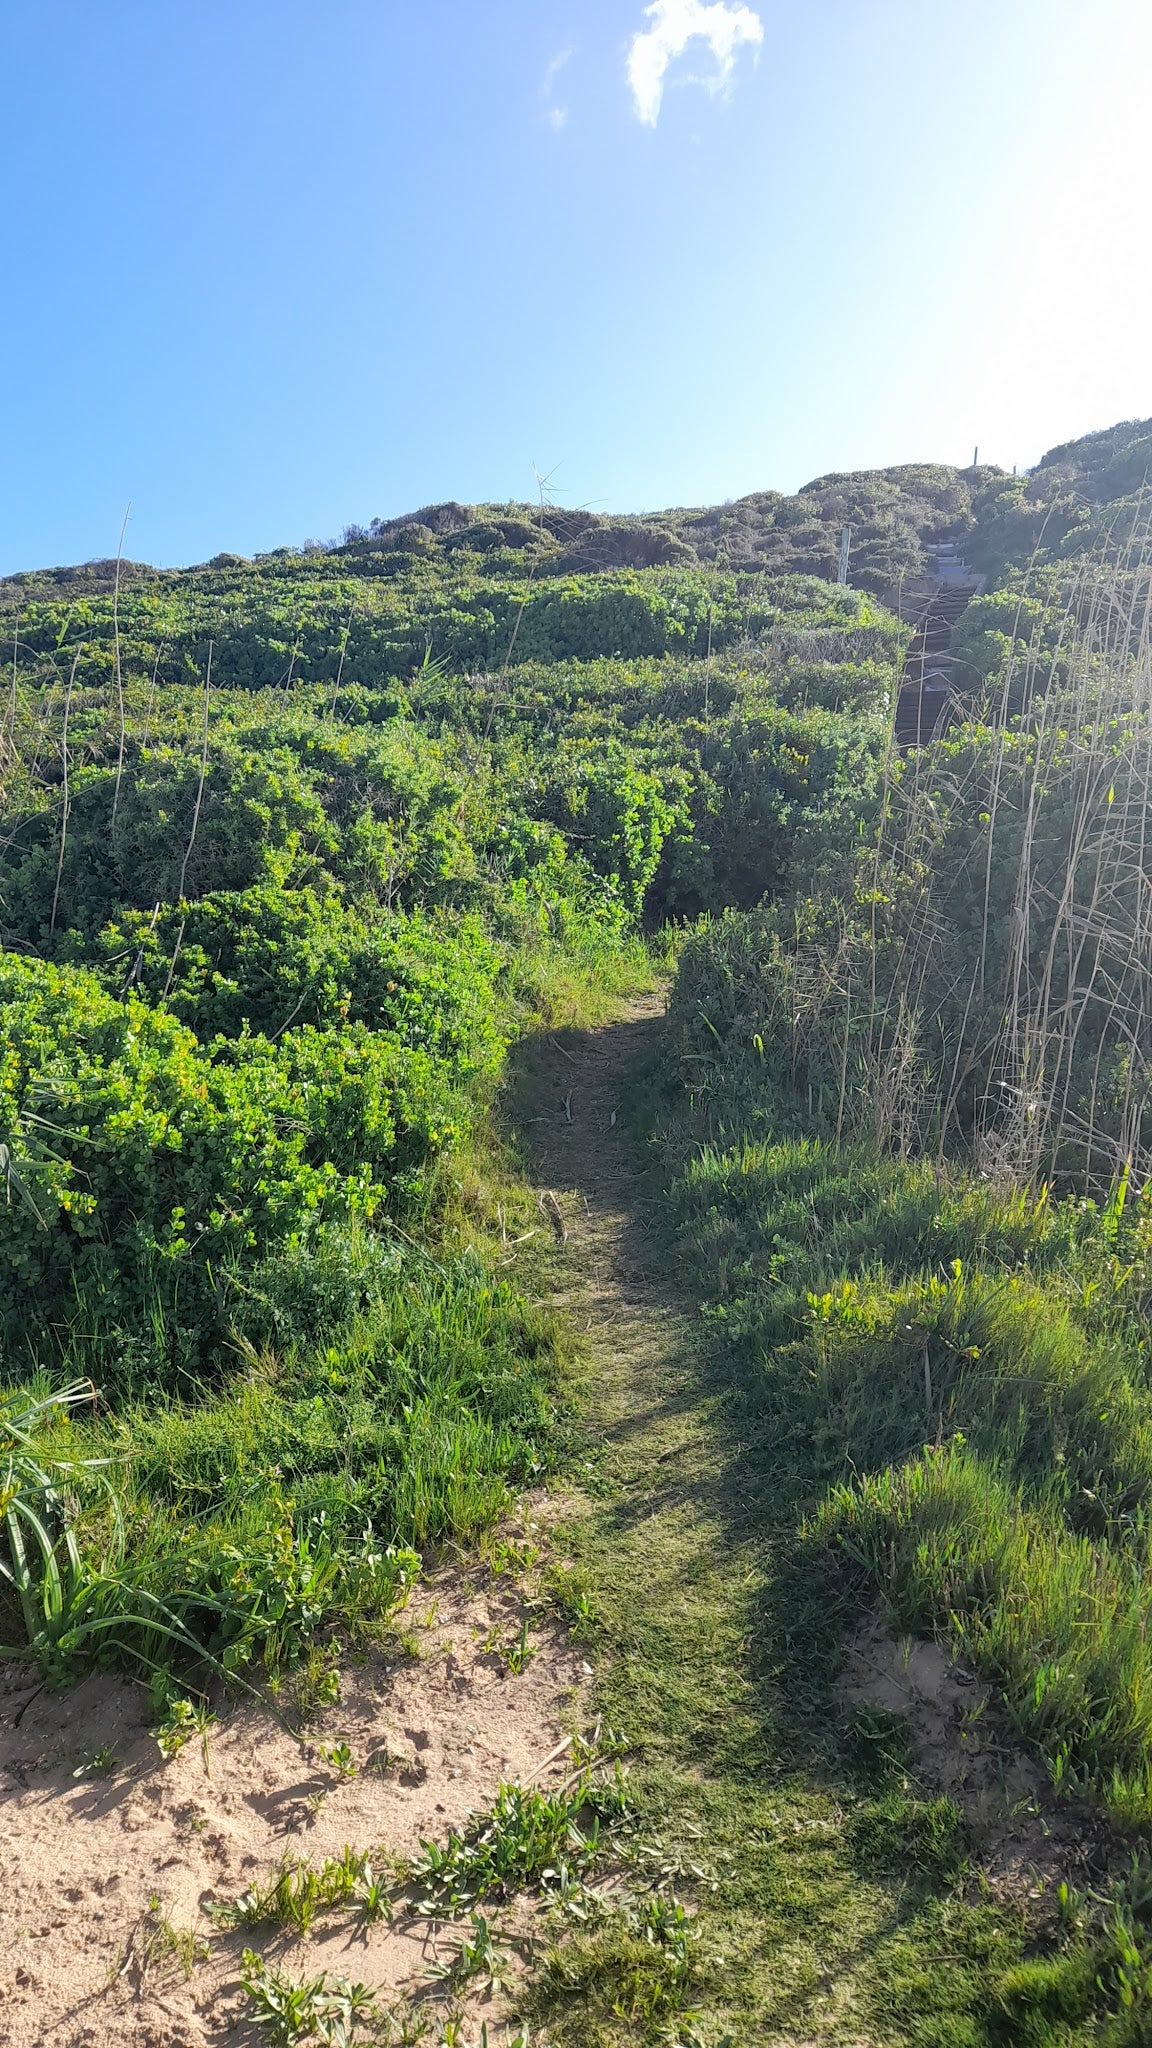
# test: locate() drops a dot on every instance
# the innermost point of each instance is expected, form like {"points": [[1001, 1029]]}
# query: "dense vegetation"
{"points": [[273, 910], [291, 851]]}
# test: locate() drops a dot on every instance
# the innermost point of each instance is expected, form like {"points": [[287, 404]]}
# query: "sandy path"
{"points": [[81, 1859]]}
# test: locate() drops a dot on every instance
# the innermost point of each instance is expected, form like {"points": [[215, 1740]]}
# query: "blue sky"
{"points": [[274, 266]]}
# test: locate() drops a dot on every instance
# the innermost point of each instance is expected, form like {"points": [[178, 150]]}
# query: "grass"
{"points": [[642, 1967], [527, 1837], [832, 1897], [296, 1892], [180, 1948], [880, 1306], [479, 1961], [1061, 1624], [296, 1495], [527, 1840], [183, 1719], [157, 1947], [739, 1778], [326, 2008]]}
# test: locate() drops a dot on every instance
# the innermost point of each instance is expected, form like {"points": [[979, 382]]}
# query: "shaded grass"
{"points": [[641, 1967], [882, 1305], [830, 1897], [1059, 1623], [834, 1897]]}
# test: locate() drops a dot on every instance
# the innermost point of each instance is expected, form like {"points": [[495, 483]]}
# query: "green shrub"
{"points": [[272, 958], [146, 1174], [259, 820]]}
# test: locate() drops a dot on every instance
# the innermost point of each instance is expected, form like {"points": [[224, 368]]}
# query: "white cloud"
{"points": [[555, 67], [556, 117], [675, 24]]}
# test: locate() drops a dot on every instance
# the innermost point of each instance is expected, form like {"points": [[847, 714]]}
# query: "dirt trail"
{"points": [[678, 1577], [614, 1280], [574, 1097]]}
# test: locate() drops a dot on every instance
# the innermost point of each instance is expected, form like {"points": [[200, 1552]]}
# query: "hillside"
{"points": [[375, 1247], [1075, 493]]}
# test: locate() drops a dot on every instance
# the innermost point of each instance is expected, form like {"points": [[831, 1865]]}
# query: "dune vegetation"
{"points": [[296, 853]]}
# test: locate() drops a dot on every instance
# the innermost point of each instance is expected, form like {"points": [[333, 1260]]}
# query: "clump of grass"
{"points": [[99, 1763], [325, 2008], [339, 1758], [313, 1683], [298, 1891], [884, 1304], [1102, 1978], [74, 1599], [243, 1526], [184, 1718], [519, 1654], [567, 1587], [1061, 1624], [995, 1357], [479, 1961], [455, 2033], [899, 1832], [526, 1837], [515, 1555], [373, 1895], [159, 1945]]}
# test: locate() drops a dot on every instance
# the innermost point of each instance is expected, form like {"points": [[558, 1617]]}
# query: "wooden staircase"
{"points": [[928, 702]]}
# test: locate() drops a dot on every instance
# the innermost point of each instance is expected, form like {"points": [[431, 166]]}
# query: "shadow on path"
{"points": [[681, 1429], [573, 1100]]}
